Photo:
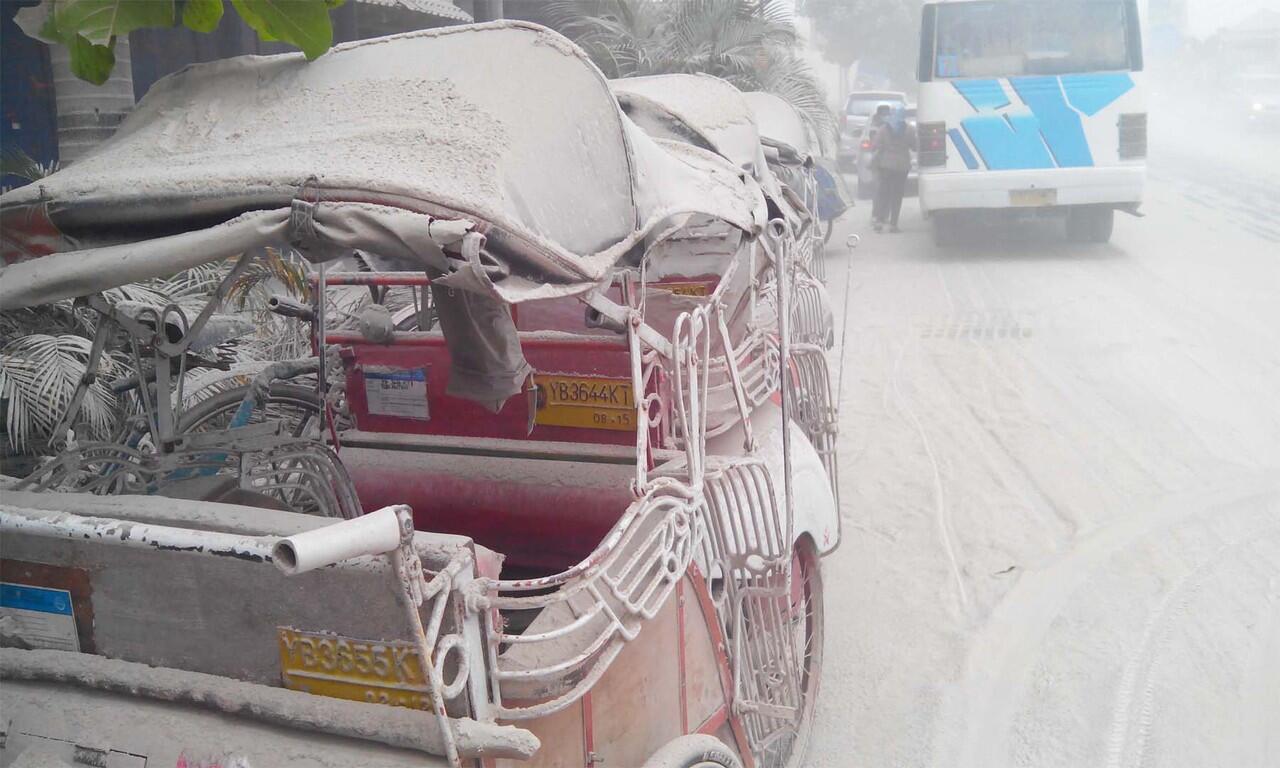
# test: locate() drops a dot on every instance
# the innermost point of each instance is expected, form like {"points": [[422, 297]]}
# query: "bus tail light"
{"points": [[1133, 136], [933, 144]]}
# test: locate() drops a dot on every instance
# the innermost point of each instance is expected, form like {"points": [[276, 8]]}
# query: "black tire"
{"points": [[946, 229], [694, 751], [1090, 224]]}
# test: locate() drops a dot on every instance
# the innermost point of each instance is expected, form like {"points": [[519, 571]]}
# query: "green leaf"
{"points": [[90, 61], [254, 21], [37, 22], [202, 15], [89, 28], [302, 23], [100, 20]]}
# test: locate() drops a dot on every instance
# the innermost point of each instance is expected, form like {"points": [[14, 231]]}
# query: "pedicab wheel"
{"points": [[694, 751], [306, 477], [297, 406], [807, 626]]}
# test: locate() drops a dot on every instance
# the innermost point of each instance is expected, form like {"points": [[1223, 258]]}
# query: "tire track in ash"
{"points": [[982, 708], [941, 508], [1140, 665]]}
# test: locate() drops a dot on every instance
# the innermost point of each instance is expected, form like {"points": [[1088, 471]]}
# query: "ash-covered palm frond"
{"points": [[197, 282], [277, 273], [45, 349], [15, 162], [750, 43], [623, 37], [726, 38], [39, 374], [790, 78]]}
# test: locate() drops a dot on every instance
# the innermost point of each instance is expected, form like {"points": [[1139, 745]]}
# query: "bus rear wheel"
{"points": [[1090, 224], [946, 228]]}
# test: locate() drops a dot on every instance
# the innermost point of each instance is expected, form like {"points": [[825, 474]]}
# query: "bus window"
{"points": [[1009, 39]]}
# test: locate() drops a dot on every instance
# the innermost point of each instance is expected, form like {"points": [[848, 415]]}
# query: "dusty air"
{"points": [[640, 383]]}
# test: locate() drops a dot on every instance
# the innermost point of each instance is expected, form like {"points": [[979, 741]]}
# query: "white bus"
{"points": [[1031, 104]]}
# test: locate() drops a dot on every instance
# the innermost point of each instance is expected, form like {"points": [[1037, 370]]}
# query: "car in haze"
{"points": [[866, 188], [1260, 96], [858, 109]]}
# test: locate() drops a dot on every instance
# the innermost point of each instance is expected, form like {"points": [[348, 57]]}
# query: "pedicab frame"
{"points": [[722, 518]]}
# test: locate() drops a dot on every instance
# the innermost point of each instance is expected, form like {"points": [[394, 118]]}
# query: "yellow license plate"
{"points": [[685, 289], [1033, 198], [586, 402], [346, 668]]}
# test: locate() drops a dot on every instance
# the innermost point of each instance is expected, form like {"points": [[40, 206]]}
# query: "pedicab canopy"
{"points": [[780, 125], [397, 146], [702, 110]]}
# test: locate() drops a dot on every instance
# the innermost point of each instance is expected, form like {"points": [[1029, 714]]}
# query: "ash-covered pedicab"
{"points": [[795, 155], [583, 516], [708, 112]]}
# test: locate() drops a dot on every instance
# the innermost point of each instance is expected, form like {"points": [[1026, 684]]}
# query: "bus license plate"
{"points": [[1033, 198], [586, 402], [358, 670]]}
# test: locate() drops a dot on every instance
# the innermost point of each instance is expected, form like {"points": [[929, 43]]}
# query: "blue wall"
{"points": [[26, 93]]}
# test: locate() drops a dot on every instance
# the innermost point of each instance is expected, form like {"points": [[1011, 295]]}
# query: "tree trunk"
{"points": [[88, 114]]}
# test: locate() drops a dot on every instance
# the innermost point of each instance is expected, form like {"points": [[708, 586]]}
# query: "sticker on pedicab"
{"points": [[39, 616], [398, 392], [585, 401], [380, 672]]}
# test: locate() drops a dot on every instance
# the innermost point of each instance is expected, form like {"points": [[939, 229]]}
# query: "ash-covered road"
{"points": [[1060, 470]]}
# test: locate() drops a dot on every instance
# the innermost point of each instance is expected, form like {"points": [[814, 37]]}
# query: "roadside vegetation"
{"points": [[750, 43]]}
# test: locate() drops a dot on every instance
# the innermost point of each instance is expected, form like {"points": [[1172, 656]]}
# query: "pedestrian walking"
{"points": [[892, 161], [877, 120]]}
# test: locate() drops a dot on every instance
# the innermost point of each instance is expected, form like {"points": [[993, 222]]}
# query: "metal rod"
{"points": [[322, 378], [372, 278], [65, 525], [59, 435], [851, 243], [783, 266]]}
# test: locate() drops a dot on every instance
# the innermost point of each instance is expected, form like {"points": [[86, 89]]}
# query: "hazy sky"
{"points": [[1207, 16]]}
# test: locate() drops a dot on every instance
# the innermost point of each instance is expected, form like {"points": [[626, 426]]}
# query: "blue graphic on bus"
{"points": [[1060, 125], [1008, 142], [983, 95], [1045, 130], [962, 146], [1093, 92]]}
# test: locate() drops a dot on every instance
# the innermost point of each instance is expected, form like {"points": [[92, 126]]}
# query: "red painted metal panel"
{"points": [[726, 673], [537, 524], [465, 418], [681, 639]]}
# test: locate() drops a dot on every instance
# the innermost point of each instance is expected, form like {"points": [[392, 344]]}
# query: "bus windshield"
{"points": [[1009, 38]]}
